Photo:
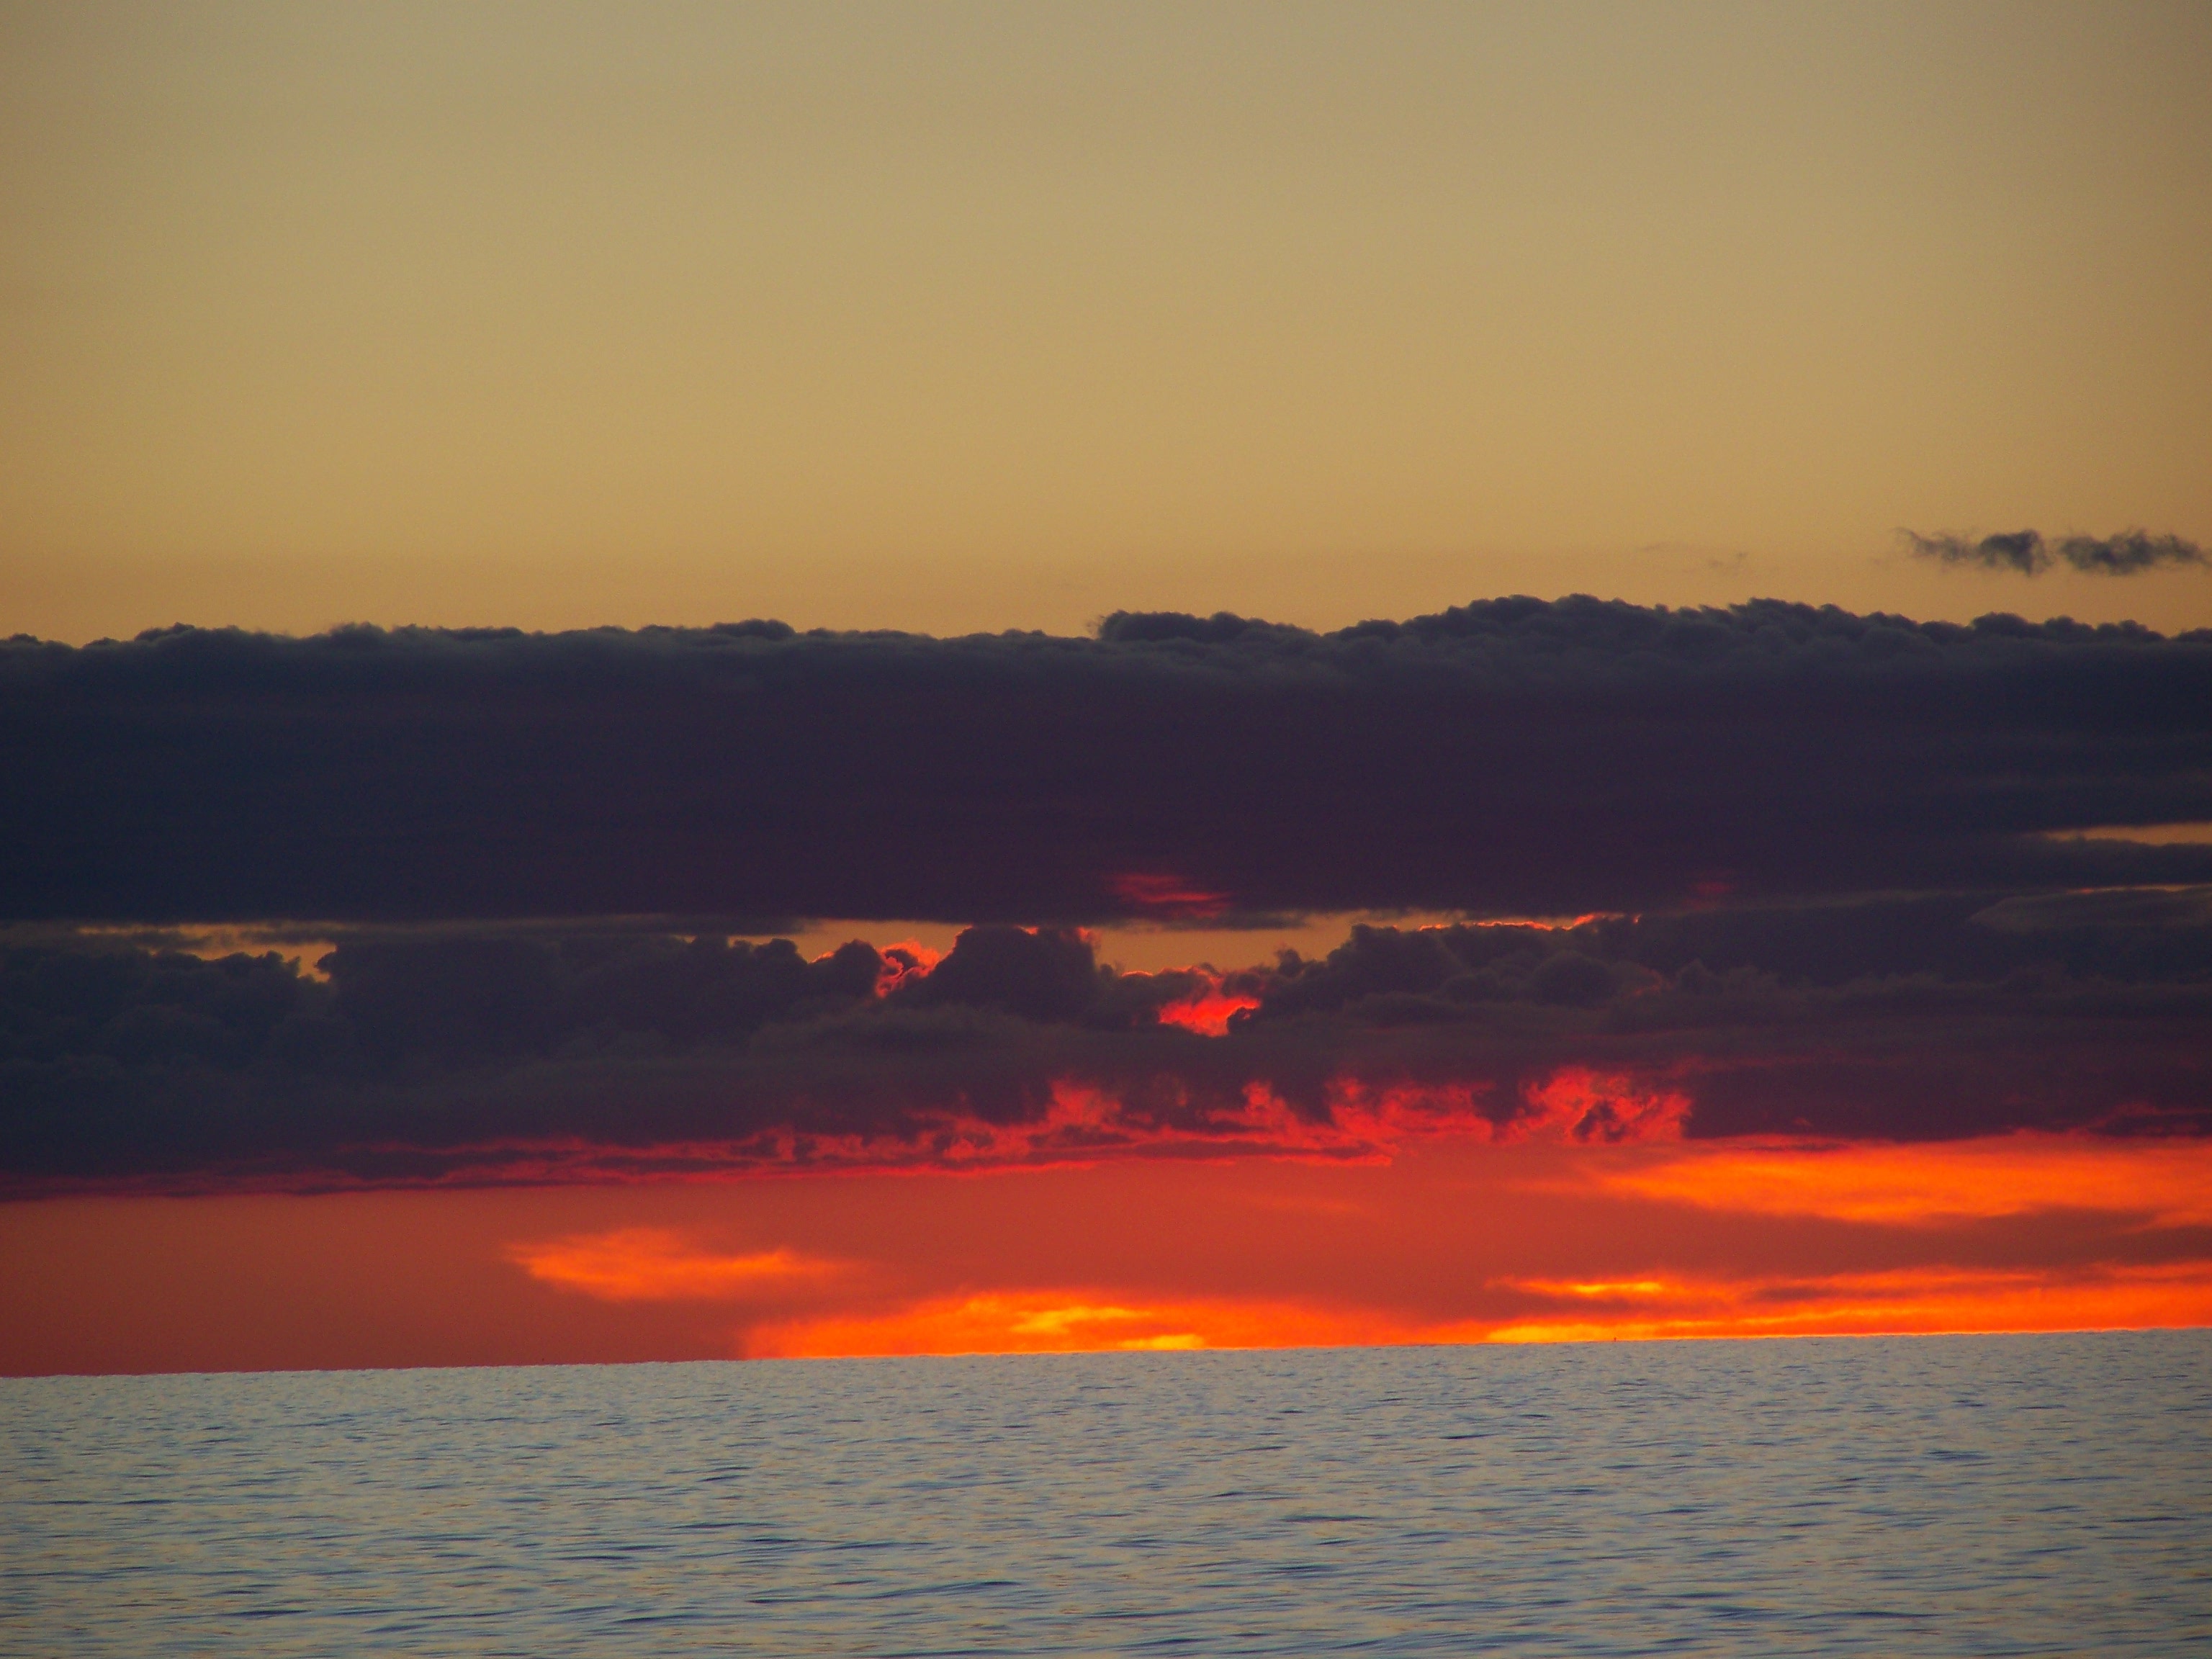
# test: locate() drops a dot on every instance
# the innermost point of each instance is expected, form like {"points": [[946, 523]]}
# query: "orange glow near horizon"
{"points": [[1069, 1322], [1107, 1319], [1917, 1185], [1914, 1301], [1904, 1302], [1406, 1219]]}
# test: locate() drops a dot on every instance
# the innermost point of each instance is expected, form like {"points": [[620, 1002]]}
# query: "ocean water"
{"points": [[2008, 1495]]}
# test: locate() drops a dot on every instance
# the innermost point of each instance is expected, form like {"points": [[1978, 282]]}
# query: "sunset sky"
{"points": [[877, 679]]}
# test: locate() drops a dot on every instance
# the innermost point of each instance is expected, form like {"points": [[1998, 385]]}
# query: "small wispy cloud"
{"points": [[653, 1264], [2129, 553]]}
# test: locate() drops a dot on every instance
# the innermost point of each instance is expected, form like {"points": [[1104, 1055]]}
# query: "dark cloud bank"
{"points": [[1853, 914], [1511, 757], [467, 1058]]}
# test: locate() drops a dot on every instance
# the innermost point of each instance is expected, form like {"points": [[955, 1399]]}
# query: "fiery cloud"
{"points": [[651, 1264], [1207, 1011], [1070, 1321], [490, 1058], [1441, 1238], [1917, 1301], [2166, 1184], [1581, 1105], [1924, 1301], [1838, 1022]]}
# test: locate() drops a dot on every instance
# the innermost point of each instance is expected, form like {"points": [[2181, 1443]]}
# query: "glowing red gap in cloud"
{"points": [[1207, 1013], [907, 959], [1168, 896]]}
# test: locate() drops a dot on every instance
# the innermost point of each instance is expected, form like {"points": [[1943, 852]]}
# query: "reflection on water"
{"points": [[2048, 1494]]}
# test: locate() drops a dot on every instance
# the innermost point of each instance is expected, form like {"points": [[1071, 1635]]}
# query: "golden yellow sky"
{"points": [[958, 316]]}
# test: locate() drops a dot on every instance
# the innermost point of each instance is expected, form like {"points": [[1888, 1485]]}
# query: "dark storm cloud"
{"points": [[1512, 756], [493, 1059], [2128, 554]]}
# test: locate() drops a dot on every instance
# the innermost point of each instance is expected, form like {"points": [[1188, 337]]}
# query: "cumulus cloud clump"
{"points": [[499, 1059], [1834, 863]]}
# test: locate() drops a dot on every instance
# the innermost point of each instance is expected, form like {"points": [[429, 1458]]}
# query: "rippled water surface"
{"points": [[1942, 1496]]}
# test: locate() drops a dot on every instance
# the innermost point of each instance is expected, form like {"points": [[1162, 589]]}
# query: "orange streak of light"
{"points": [[655, 1264], [1448, 1234], [1906, 1301], [1069, 1322], [1542, 924], [1939, 1181]]}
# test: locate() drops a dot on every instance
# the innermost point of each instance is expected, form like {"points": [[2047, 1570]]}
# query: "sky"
{"points": [[965, 316], [774, 682]]}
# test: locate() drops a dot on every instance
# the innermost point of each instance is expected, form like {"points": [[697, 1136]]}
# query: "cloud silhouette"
{"points": [[2127, 553], [605, 1057], [1509, 757], [1835, 865]]}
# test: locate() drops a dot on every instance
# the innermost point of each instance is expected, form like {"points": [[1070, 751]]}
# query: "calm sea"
{"points": [[2010, 1495]]}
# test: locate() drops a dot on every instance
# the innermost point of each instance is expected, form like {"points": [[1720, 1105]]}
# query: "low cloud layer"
{"points": [[2129, 553], [1839, 855], [1512, 757], [496, 1059]]}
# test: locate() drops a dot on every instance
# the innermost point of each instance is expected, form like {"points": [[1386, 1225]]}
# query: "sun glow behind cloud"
{"points": [[1200, 1070], [1207, 1013], [1427, 1232], [1905, 1302], [1398, 1174], [1073, 1322], [1083, 1123], [1450, 1235]]}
